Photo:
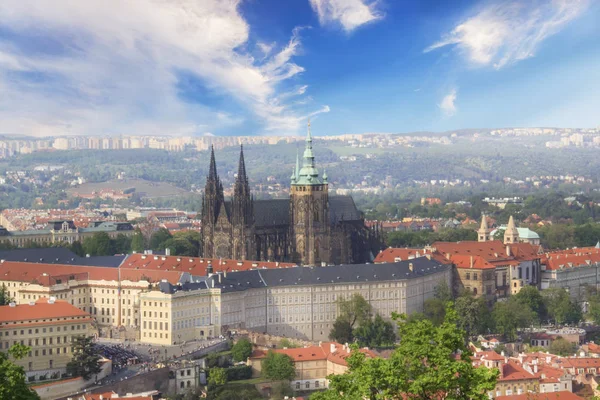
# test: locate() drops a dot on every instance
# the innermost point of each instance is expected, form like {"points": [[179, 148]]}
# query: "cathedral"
{"points": [[309, 228]]}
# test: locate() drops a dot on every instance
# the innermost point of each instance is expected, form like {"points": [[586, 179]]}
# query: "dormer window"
{"points": [[65, 226]]}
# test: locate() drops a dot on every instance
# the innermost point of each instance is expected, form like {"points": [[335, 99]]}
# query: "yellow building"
{"points": [[48, 327]]}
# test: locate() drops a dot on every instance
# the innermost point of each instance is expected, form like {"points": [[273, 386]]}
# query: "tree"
{"points": [[217, 376], [472, 313], [241, 350], [5, 298], [352, 313], [429, 363], [137, 241], [511, 315], [560, 307], [286, 343], [122, 244], [99, 244], [532, 298], [434, 310], [375, 333], [77, 248], [85, 361], [278, 367], [562, 347], [158, 239], [341, 331], [13, 384], [442, 292]]}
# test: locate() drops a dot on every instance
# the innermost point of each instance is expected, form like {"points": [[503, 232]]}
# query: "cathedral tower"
{"points": [[242, 217], [214, 239], [309, 209]]}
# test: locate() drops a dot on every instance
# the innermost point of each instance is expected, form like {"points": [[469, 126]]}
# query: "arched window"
{"points": [[189, 383], [475, 291], [182, 385], [307, 385]]}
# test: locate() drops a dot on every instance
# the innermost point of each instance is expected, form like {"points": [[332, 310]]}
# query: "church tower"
{"points": [[242, 217], [309, 208], [511, 234], [483, 234], [213, 209]]}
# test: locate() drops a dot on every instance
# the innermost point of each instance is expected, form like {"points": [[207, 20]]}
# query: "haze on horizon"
{"points": [[197, 67]]}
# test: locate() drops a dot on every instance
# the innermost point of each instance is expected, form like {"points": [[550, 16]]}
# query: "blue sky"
{"points": [[227, 67]]}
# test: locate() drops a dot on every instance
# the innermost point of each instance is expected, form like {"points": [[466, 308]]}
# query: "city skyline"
{"points": [[188, 68]]}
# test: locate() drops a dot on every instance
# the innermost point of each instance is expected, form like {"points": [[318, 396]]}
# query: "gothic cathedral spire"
{"points": [[242, 212]]}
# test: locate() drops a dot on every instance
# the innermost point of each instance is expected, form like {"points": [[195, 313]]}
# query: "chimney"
{"points": [[447, 256], [12, 304], [332, 347], [225, 274], [535, 368], [411, 268], [508, 250], [213, 282], [167, 251], [219, 273], [471, 262]]}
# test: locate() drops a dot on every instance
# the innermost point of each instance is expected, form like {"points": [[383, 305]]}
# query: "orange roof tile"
{"points": [[468, 262], [194, 265], [542, 396], [49, 274], [389, 255], [511, 371], [42, 309]]}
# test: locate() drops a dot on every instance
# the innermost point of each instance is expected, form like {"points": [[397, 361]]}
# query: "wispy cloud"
{"points": [[503, 33], [448, 105], [108, 66], [350, 14]]}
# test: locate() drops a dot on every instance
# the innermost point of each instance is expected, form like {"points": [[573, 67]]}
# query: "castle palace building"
{"points": [[309, 228]]}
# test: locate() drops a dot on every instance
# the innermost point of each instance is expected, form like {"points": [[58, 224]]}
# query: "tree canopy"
{"points": [[217, 376], [241, 350], [5, 298], [278, 367], [13, 384], [429, 363], [85, 361]]}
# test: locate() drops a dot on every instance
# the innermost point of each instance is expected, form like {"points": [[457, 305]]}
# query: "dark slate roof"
{"points": [[354, 273], [342, 208], [59, 255], [277, 211], [271, 212]]}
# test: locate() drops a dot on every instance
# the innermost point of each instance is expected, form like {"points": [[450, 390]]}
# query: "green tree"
{"points": [[122, 244], [429, 362], [99, 244], [532, 298], [137, 241], [180, 247], [85, 361], [375, 333], [511, 315], [443, 292], [473, 313], [341, 331], [434, 310], [562, 347], [241, 350], [5, 298], [278, 367], [285, 343], [217, 376], [77, 248], [158, 239], [560, 307], [13, 384]]}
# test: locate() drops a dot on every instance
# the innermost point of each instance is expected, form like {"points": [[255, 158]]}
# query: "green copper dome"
{"points": [[308, 174]]}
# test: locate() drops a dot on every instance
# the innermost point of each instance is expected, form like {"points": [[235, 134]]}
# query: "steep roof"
{"points": [[512, 371], [313, 353], [41, 309], [470, 262], [558, 261], [58, 255]]}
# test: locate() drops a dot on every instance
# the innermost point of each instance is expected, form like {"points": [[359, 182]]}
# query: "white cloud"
{"points": [[350, 14], [448, 105], [507, 32], [112, 66]]}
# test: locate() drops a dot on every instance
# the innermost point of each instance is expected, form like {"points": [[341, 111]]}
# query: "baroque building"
{"points": [[309, 228]]}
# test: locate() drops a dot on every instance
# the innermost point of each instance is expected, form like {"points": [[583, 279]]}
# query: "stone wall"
{"points": [[265, 340]]}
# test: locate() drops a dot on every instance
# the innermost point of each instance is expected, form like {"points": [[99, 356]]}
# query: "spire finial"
{"points": [[309, 136]]}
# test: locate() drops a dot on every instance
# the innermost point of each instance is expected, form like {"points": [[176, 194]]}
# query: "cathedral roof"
{"points": [[276, 212]]}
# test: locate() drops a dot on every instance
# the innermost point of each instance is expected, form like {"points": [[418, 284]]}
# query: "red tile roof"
{"points": [[48, 274], [389, 255], [468, 262], [555, 261], [194, 265], [572, 362], [511, 371], [542, 396], [42, 309]]}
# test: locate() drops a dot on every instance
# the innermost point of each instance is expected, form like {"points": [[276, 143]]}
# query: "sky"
{"points": [[264, 67]]}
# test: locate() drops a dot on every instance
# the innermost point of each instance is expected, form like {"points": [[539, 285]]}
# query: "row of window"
{"points": [[317, 385], [44, 330]]}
